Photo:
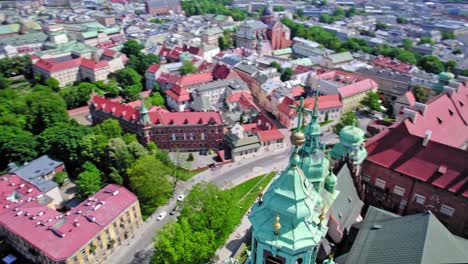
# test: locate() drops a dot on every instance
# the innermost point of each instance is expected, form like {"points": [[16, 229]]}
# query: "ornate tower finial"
{"points": [[144, 117], [316, 111], [260, 195], [277, 225], [299, 109], [322, 215]]}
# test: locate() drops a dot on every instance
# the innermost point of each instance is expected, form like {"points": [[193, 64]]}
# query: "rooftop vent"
{"points": [[115, 193], [376, 227]]}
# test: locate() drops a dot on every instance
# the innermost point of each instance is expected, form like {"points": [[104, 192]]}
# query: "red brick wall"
{"points": [[435, 197]]}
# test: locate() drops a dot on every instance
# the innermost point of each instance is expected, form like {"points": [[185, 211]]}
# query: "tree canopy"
{"points": [[286, 74], [187, 68], [347, 119], [16, 145], [372, 100], [89, 181]]}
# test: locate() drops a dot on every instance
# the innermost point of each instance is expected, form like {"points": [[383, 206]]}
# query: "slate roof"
{"points": [[254, 24], [34, 171], [340, 57], [156, 4], [415, 239], [347, 206]]}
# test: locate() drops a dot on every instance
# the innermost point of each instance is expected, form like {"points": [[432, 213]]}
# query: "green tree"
{"points": [[187, 68], [326, 18], [16, 145], [407, 44], [147, 60], [457, 51], [217, 210], [426, 40], [381, 26], [420, 93], [287, 74], [14, 66], [127, 77], [464, 72], [45, 109], [89, 181], [77, 96], [149, 180], [110, 128], [179, 243], [300, 12], [339, 12], [450, 65], [53, 84], [347, 119], [401, 20], [132, 47], [60, 177], [276, 65], [448, 35], [132, 92], [111, 88], [4, 82], [63, 141], [156, 99], [372, 100], [278, 8], [431, 64], [407, 56]]}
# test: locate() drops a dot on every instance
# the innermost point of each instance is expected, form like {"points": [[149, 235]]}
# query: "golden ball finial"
{"points": [[297, 138], [277, 224], [322, 215]]}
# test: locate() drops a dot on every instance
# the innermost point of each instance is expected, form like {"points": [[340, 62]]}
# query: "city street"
{"points": [[138, 248]]}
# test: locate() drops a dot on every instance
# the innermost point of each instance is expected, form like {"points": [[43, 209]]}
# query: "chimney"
{"points": [[427, 137], [449, 90], [463, 79], [420, 107], [408, 113]]}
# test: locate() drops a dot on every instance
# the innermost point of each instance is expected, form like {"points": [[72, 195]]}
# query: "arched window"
{"points": [[299, 261]]}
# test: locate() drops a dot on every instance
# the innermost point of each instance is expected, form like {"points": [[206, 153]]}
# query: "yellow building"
{"points": [[88, 233]]}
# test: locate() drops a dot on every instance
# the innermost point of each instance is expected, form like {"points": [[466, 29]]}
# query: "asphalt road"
{"points": [[139, 248]]}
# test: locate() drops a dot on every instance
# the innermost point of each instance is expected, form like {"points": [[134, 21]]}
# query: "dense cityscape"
{"points": [[234, 131]]}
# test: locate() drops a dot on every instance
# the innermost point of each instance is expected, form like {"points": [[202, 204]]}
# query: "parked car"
{"points": [[161, 216], [175, 210], [180, 197]]}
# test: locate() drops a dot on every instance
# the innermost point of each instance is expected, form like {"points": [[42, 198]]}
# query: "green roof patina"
{"points": [[29, 38], [9, 29], [296, 200], [350, 146], [72, 47], [280, 52]]}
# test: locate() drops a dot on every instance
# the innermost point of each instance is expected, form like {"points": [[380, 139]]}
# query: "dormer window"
{"points": [[450, 112], [439, 120]]}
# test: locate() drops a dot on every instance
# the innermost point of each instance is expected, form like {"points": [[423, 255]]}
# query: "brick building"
{"points": [[420, 163], [188, 131], [88, 233], [162, 7]]}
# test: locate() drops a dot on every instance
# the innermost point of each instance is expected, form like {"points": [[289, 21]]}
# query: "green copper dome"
{"points": [[446, 76], [351, 135], [330, 182]]}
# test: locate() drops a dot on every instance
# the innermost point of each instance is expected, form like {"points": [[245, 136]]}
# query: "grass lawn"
{"points": [[245, 194], [187, 175], [326, 122]]}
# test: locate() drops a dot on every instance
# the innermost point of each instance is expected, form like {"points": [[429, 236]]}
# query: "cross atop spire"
{"points": [[300, 109], [315, 113]]}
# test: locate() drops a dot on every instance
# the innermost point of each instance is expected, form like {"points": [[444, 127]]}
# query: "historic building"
{"points": [[265, 35], [419, 163], [188, 131], [162, 7], [290, 220], [88, 233]]}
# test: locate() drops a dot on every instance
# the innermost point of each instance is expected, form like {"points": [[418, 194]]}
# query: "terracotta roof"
{"points": [[268, 135], [393, 64], [446, 119], [153, 68], [249, 127], [179, 94], [187, 80], [325, 102], [410, 97], [157, 115], [397, 149], [60, 236], [94, 65], [297, 91], [109, 53], [51, 66], [235, 97], [284, 108], [358, 87], [220, 72]]}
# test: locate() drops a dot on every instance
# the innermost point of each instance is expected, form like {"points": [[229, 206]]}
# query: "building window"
{"points": [[366, 177], [447, 210], [380, 183], [398, 190], [419, 199]]}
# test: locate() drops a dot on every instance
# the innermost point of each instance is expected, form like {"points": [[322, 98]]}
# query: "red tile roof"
{"points": [[325, 102], [157, 116], [51, 66], [358, 87], [220, 72], [445, 118], [393, 64], [153, 68], [268, 135], [410, 97], [297, 91], [397, 149], [187, 80], [179, 94], [94, 65], [236, 97], [249, 127], [60, 236], [109, 53]]}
